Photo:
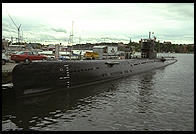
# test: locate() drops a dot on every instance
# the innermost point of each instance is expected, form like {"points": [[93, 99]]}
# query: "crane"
{"points": [[18, 28]]}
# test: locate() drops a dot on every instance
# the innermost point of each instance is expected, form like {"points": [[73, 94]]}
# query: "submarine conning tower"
{"points": [[147, 48]]}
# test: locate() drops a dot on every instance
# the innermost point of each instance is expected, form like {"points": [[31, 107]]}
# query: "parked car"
{"points": [[4, 59], [48, 54], [27, 56]]}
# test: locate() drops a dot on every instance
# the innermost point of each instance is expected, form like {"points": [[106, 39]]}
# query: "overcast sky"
{"points": [[98, 22]]}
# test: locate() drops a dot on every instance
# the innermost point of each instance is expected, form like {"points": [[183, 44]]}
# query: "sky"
{"points": [[99, 22]]}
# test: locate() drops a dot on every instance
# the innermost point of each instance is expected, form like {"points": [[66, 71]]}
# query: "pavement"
{"points": [[8, 67]]}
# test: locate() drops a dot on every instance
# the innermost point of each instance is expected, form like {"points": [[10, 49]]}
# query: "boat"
{"points": [[48, 76]]}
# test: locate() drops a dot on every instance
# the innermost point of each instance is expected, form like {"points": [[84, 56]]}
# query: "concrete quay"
{"points": [[7, 72], [8, 67]]}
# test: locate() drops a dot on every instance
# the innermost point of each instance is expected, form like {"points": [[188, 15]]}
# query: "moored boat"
{"points": [[39, 77]]}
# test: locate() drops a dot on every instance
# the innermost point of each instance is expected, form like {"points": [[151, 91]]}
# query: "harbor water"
{"points": [[160, 100]]}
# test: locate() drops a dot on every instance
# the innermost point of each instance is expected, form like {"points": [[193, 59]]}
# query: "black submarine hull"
{"points": [[48, 76]]}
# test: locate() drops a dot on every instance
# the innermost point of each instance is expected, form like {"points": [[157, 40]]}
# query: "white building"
{"points": [[106, 52]]}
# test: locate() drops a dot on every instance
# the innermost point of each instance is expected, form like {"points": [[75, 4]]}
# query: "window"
{"points": [[20, 53], [30, 53], [34, 53]]}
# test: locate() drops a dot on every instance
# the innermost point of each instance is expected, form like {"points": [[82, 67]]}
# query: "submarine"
{"points": [[49, 76]]}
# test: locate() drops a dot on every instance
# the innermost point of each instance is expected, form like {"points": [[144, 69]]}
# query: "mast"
{"points": [[72, 32], [71, 39]]}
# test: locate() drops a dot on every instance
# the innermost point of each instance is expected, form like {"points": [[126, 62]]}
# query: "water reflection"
{"points": [[145, 99], [46, 109], [145, 91], [65, 106]]}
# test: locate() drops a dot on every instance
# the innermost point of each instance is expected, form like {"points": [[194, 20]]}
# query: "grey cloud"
{"points": [[27, 23], [178, 11], [169, 20], [6, 26], [104, 39], [48, 37], [7, 29], [59, 30], [45, 36]]}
